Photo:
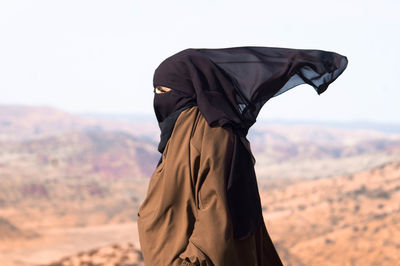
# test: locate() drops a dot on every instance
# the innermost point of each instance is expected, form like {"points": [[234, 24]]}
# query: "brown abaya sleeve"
{"points": [[184, 219], [211, 241]]}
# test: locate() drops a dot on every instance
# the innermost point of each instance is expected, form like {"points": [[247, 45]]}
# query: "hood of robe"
{"points": [[230, 86]]}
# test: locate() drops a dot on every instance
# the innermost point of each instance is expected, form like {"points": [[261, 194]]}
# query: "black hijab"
{"points": [[230, 86]]}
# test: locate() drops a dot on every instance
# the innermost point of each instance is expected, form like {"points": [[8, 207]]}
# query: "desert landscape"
{"points": [[71, 186]]}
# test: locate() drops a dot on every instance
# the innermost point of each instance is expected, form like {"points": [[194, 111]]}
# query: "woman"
{"points": [[203, 205]]}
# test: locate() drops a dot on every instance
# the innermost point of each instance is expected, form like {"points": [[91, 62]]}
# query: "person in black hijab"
{"points": [[228, 87]]}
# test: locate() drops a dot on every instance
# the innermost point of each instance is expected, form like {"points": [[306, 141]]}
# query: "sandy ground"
{"points": [[59, 242]]}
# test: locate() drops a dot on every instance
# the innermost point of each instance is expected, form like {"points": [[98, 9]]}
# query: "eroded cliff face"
{"points": [[73, 185], [117, 254], [343, 220]]}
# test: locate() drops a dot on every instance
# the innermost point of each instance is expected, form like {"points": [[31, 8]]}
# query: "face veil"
{"points": [[167, 103], [230, 86], [167, 107]]}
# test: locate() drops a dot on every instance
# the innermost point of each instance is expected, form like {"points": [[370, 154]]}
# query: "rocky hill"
{"points": [[72, 185], [344, 220], [29, 122], [117, 254], [91, 176]]}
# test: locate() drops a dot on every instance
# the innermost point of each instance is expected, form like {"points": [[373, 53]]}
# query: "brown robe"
{"points": [[184, 219]]}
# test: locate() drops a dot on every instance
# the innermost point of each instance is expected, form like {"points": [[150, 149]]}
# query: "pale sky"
{"points": [[99, 56]]}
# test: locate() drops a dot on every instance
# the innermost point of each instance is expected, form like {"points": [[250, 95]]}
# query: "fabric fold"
{"points": [[230, 86]]}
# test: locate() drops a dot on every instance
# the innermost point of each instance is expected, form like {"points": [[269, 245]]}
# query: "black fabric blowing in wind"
{"points": [[230, 86]]}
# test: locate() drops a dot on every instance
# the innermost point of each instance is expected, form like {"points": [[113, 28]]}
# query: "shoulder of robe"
{"points": [[204, 134]]}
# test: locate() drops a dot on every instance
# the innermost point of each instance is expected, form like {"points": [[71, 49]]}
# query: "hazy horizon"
{"points": [[99, 56], [390, 127]]}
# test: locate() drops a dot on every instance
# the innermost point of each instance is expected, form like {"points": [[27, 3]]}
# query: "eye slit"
{"points": [[161, 89]]}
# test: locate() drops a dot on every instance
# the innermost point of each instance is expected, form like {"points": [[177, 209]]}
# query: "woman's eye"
{"points": [[161, 90]]}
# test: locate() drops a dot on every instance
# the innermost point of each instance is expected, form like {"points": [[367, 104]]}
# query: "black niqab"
{"points": [[167, 107], [167, 103], [230, 86]]}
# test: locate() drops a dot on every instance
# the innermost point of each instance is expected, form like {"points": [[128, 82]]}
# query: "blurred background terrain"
{"points": [[78, 135], [71, 186]]}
